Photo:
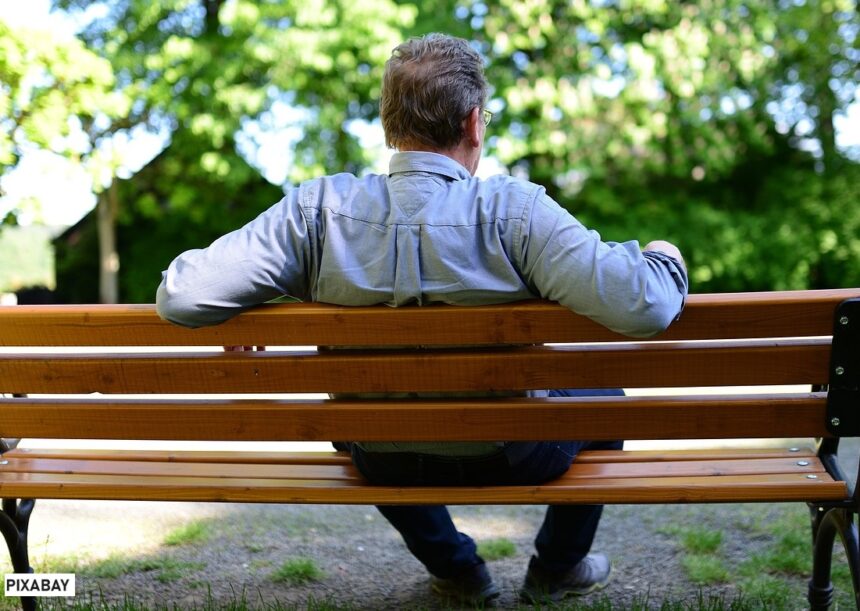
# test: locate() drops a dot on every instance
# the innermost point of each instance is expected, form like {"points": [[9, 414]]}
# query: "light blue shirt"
{"points": [[427, 232]]}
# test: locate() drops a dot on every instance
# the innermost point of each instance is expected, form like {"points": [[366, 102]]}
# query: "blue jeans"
{"points": [[567, 532]]}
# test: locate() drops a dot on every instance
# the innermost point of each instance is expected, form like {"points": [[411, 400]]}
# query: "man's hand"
{"points": [[244, 348], [667, 248]]}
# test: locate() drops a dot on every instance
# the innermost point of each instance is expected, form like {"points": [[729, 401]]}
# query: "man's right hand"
{"points": [[667, 248]]}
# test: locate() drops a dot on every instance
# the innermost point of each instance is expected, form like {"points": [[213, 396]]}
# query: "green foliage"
{"points": [[199, 71], [685, 121], [647, 119], [49, 86]]}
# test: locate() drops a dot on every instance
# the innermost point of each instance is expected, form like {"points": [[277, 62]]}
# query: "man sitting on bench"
{"points": [[428, 232]]}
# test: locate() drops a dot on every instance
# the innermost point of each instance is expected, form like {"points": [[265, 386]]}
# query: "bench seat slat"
{"points": [[735, 488], [193, 456], [700, 417], [181, 469], [325, 458], [706, 316], [656, 456], [610, 470]]}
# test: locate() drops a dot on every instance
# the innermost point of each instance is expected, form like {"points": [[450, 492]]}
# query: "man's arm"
{"points": [[263, 260], [633, 291]]}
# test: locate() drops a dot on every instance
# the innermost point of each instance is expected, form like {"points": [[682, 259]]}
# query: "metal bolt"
{"points": [[843, 320], [811, 476], [803, 463], [794, 449], [834, 421], [839, 370], [4, 462]]}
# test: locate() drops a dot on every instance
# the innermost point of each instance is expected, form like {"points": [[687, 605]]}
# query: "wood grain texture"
{"points": [[735, 488], [334, 472], [673, 476], [194, 456], [706, 316], [721, 340], [510, 419], [627, 365]]}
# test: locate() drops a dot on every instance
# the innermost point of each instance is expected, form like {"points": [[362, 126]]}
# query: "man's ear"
{"points": [[472, 125]]}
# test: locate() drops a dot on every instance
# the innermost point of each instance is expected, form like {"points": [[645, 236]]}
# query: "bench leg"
{"points": [[14, 520], [826, 524]]}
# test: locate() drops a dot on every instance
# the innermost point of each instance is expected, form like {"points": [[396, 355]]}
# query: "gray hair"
{"points": [[430, 85]]}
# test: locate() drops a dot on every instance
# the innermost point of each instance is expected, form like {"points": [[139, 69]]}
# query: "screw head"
{"points": [[803, 463], [810, 476], [839, 370], [4, 462], [834, 421], [794, 449], [843, 320]]}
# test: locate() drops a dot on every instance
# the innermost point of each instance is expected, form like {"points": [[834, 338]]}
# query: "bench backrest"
{"points": [[145, 368]]}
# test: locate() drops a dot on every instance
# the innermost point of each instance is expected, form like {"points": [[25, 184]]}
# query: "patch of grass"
{"points": [[496, 549], [58, 564], [705, 569], [168, 569], [111, 567], [771, 591], [193, 532], [95, 602], [240, 603], [790, 554], [701, 541], [297, 571]]}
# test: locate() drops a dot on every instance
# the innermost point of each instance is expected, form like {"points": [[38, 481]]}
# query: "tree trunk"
{"points": [[106, 212]]}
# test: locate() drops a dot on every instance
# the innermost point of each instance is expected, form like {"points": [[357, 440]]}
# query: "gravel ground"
{"points": [[365, 565]]}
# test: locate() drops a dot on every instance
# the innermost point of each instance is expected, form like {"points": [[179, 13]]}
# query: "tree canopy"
{"points": [[711, 124], [50, 88]]}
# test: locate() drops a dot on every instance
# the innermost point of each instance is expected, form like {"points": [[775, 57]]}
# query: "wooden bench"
{"points": [[55, 356]]}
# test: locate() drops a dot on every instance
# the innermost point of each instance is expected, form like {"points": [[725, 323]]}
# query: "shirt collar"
{"points": [[415, 161]]}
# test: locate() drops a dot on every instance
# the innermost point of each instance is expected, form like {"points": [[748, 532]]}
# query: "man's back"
{"points": [[428, 232]]}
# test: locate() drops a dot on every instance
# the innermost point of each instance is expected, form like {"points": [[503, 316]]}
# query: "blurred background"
{"points": [[131, 130]]}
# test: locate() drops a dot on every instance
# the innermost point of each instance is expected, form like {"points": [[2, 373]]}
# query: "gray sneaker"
{"points": [[474, 588], [590, 575]]}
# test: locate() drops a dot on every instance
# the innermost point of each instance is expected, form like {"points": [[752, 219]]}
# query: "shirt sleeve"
{"points": [[265, 259], [616, 284]]}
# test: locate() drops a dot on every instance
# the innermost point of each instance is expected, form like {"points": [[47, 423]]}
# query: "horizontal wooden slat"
{"points": [[707, 316], [743, 488], [194, 456], [251, 471], [676, 476], [672, 417], [729, 453], [342, 458], [800, 361], [182, 469]]}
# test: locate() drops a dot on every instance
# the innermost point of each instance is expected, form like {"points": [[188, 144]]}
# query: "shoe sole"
{"points": [[528, 597], [485, 597]]}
